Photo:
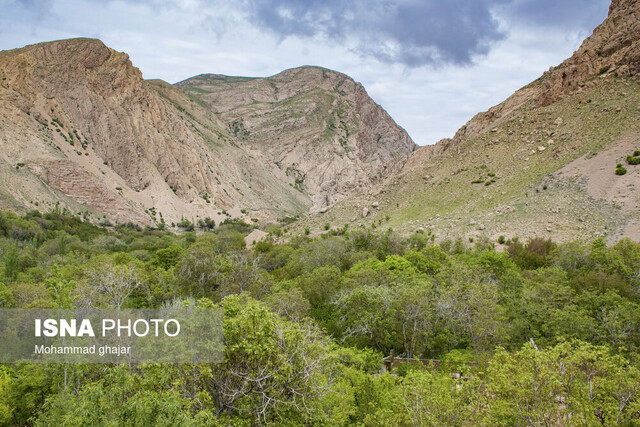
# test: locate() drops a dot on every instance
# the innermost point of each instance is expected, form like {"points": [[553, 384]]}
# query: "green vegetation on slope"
{"points": [[504, 178], [540, 333]]}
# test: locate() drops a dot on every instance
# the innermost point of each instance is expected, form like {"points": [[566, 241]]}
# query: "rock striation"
{"points": [[81, 127]]}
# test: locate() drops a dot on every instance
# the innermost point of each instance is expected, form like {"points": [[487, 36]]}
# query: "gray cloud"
{"points": [[413, 33], [417, 33], [580, 15]]}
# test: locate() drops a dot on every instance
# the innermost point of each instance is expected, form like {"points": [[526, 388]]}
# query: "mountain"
{"points": [[82, 130], [316, 126], [540, 164]]}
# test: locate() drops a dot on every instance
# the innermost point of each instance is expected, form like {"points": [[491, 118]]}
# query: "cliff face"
{"points": [[612, 50], [552, 160], [79, 125], [316, 126]]}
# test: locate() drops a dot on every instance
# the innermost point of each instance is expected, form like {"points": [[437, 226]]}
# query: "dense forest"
{"points": [[514, 333]]}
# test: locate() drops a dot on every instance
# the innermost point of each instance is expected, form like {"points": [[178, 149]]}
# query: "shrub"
{"points": [[186, 224], [501, 240], [621, 171], [633, 160]]}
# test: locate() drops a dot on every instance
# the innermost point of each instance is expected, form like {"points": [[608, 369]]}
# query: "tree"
{"points": [[289, 303], [436, 399], [472, 307], [575, 383], [397, 317], [11, 263], [60, 290], [273, 369], [199, 270], [6, 410], [113, 285], [242, 273]]}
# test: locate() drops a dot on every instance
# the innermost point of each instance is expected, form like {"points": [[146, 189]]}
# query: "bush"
{"points": [[621, 171], [633, 160], [186, 225], [501, 240]]}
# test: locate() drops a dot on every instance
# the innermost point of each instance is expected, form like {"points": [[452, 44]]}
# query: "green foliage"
{"points": [[168, 257], [11, 263], [634, 160], [309, 320], [6, 411], [186, 225], [569, 383], [620, 170]]}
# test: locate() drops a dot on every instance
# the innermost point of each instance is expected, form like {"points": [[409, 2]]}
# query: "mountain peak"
{"points": [[613, 48]]}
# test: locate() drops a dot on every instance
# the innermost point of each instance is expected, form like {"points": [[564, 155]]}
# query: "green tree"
{"points": [[472, 308], [6, 410], [571, 383], [11, 263], [60, 290], [273, 370]]}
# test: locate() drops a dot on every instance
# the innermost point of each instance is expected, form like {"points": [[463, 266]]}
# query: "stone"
{"points": [[558, 121], [365, 212]]}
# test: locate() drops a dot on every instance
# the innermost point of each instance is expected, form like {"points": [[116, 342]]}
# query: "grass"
{"points": [[448, 201]]}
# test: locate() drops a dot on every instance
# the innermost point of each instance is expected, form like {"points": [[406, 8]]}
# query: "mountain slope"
{"points": [[542, 163], [316, 125], [81, 128]]}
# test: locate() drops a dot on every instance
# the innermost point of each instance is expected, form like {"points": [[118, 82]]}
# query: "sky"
{"points": [[432, 64]]}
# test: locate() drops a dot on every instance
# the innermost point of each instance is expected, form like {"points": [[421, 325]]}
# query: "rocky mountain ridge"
{"points": [[80, 127], [549, 161], [613, 49]]}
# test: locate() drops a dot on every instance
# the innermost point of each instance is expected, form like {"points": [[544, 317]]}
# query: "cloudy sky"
{"points": [[432, 64]]}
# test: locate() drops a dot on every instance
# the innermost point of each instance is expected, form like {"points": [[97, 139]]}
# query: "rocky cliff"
{"points": [[79, 126], [555, 159], [612, 50], [315, 125]]}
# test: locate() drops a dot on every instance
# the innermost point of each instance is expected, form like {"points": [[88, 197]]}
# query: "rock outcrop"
{"points": [[613, 48], [80, 126], [318, 127]]}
